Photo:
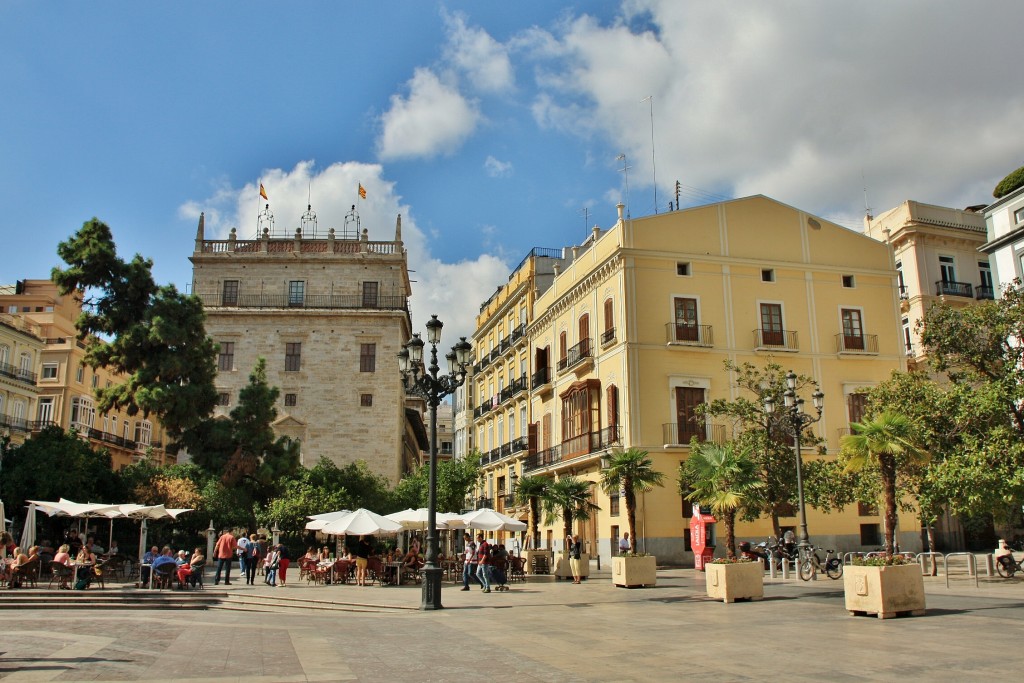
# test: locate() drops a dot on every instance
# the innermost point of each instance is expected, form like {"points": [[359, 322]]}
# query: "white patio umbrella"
{"points": [[28, 534], [492, 520], [362, 521], [416, 520], [3, 517], [318, 521]]}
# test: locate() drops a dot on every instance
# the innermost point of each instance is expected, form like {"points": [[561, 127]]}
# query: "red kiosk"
{"points": [[702, 552]]}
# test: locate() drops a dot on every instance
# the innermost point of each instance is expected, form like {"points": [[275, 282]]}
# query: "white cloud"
{"points": [[434, 119], [474, 52], [792, 100], [497, 169], [451, 290]]}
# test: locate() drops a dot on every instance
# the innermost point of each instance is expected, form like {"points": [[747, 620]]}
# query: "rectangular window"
{"points": [[1018, 216], [49, 371], [683, 268], [366, 400], [688, 425], [45, 413], [292, 356], [367, 358], [229, 296], [907, 339], [613, 504], [848, 281], [96, 381], [223, 398], [767, 275], [947, 269], [615, 538], [856, 406], [290, 399], [296, 293], [985, 276], [143, 433], [226, 359], [371, 292], [853, 330], [82, 412], [772, 333], [686, 319], [870, 535], [80, 374]]}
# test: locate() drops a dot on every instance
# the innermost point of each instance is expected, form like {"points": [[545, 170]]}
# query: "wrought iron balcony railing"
{"points": [[540, 378], [775, 339], [984, 292], [318, 301], [951, 288], [865, 343], [689, 334], [17, 373], [576, 355], [676, 434]]}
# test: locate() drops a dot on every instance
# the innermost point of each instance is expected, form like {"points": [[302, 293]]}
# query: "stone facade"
{"points": [[329, 316]]}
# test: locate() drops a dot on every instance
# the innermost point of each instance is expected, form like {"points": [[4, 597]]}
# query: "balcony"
{"points": [[674, 434], [775, 340], [17, 424], [950, 288], [865, 343], [576, 355], [687, 334], [481, 409], [540, 378], [317, 301], [517, 386], [114, 439], [608, 336], [904, 294], [984, 293], [574, 447], [26, 376], [510, 500]]}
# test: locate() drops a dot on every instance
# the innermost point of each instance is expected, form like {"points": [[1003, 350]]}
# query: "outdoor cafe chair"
{"points": [[61, 573], [163, 576], [195, 579], [25, 574]]}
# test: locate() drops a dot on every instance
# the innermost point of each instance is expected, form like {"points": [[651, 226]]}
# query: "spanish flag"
{"points": [[362, 191], [263, 193]]}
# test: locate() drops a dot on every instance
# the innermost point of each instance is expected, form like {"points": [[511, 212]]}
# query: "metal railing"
{"points": [[608, 335], [984, 292], [972, 567], [317, 301], [17, 373], [18, 424], [573, 447], [951, 288], [540, 378], [576, 355], [865, 343], [680, 435], [775, 339], [689, 334], [107, 437]]}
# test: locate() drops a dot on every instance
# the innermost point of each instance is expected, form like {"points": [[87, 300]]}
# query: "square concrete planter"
{"points": [[886, 591], [564, 571], [735, 581], [633, 572], [546, 556]]}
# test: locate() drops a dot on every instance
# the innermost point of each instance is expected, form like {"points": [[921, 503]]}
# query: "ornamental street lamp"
{"points": [[425, 382], [794, 421]]}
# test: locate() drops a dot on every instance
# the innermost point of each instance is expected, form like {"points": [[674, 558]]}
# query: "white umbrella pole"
{"points": [[142, 540]]}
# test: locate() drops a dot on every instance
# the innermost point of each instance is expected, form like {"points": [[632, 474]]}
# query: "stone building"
{"points": [[65, 384], [329, 312]]}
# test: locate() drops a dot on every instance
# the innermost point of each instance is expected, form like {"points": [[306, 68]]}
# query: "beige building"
{"points": [[1004, 221], [631, 337], [329, 313], [936, 257], [21, 346], [65, 384]]}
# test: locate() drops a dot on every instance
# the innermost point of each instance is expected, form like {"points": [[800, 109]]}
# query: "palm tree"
{"points": [[885, 441], [630, 471], [723, 478], [568, 498], [531, 490]]}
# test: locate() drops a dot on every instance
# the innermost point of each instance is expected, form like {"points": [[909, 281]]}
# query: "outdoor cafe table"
{"points": [[75, 565]]}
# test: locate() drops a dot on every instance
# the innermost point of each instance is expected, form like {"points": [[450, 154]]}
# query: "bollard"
{"points": [[771, 566], [785, 568]]}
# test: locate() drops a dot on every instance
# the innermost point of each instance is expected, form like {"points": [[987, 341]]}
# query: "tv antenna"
{"points": [[625, 172]]}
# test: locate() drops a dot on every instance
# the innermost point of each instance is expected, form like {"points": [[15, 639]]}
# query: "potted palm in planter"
{"points": [[570, 499], [530, 491], [725, 479], [631, 471], [886, 587]]}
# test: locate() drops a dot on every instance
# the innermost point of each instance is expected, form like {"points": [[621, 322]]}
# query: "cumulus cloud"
{"points": [[451, 290], [806, 103], [433, 120], [473, 51], [497, 169]]}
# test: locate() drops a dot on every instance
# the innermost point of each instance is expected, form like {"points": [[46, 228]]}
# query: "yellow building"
{"points": [[634, 329], [21, 345], [65, 385]]}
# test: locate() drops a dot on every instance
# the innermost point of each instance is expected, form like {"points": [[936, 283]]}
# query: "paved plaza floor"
{"points": [[540, 631]]}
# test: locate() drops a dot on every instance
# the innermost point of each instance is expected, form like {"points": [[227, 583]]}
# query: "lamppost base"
{"points": [[431, 588]]}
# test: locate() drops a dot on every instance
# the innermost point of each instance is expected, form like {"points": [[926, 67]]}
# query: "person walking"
{"points": [[252, 559], [575, 548], [243, 554], [224, 553], [469, 561], [284, 561], [483, 561], [271, 566]]}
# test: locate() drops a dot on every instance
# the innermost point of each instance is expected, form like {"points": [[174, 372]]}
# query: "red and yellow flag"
{"points": [[263, 193], [362, 191]]}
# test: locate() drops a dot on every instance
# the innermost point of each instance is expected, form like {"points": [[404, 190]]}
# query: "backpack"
{"points": [[254, 549], [82, 584]]}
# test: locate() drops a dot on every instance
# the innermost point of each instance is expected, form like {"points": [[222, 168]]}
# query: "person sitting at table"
{"points": [[181, 558], [113, 550], [165, 557], [63, 555], [411, 561], [185, 569], [7, 544], [85, 556], [20, 560], [147, 562], [325, 554], [311, 554]]}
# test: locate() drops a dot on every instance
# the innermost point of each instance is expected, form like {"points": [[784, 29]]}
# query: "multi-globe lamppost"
{"points": [[425, 382], [794, 421]]}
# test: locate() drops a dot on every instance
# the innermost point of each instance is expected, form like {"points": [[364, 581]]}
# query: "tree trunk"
{"points": [[887, 471], [534, 521], [730, 541], [776, 528], [931, 548], [567, 517], [631, 516]]}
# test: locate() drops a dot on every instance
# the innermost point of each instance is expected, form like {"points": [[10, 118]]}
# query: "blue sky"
{"points": [[490, 127]]}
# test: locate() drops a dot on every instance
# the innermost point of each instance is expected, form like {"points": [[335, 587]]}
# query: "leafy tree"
{"points": [[531, 490], [631, 471], [152, 334], [455, 477], [1011, 182], [768, 445], [722, 477], [885, 442], [568, 498]]}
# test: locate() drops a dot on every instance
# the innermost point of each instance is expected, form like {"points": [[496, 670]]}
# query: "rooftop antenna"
{"points": [[586, 219], [654, 167], [867, 209], [625, 171]]}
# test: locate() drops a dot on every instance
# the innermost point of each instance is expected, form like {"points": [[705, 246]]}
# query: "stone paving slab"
{"points": [[550, 631]]}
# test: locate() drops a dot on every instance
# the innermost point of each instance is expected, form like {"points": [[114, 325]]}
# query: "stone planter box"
{"points": [[884, 591], [735, 581], [633, 572], [545, 555], [564, 571]]}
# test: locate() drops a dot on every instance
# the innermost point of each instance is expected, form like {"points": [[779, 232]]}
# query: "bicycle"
{"points": [[811, 564], [1007, 566]]}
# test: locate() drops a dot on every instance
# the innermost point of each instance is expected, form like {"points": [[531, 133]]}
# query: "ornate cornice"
{"points": [[590, 282]]}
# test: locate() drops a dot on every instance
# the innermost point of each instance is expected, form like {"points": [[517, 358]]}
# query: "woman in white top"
{"points": [[270, 565]]}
